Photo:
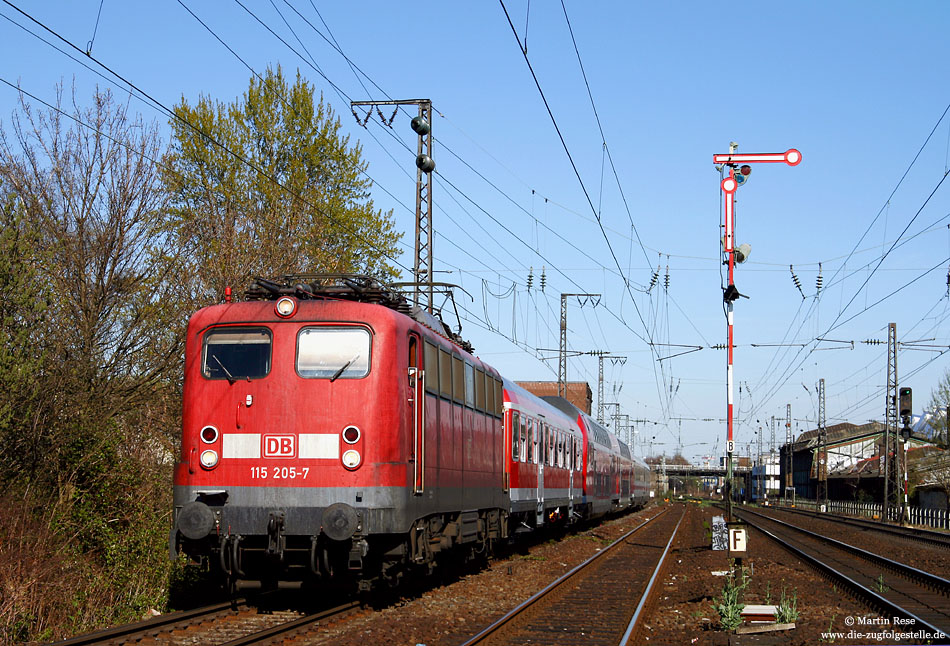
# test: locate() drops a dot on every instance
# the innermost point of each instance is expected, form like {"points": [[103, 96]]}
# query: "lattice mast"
{"points": [[891, 468], [822, 455], [789, 453]]}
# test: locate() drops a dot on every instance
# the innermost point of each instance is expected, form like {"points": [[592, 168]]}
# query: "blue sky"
{"points": [[857, 87]]}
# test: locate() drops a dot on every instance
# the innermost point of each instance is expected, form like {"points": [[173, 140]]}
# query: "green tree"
{"points": [[23, 304], [267, 185]]}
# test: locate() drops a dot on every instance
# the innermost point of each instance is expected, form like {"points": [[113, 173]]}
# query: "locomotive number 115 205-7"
{"points": [[279, 473]]}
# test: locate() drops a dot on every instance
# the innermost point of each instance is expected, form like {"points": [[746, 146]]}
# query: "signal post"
{"points": [[729, 185]]}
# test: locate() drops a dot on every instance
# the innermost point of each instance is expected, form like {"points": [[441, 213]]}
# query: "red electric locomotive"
{"points": [[333, 432]]}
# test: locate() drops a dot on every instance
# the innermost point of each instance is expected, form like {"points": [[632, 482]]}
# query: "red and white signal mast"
{"points": [[734, 161]]}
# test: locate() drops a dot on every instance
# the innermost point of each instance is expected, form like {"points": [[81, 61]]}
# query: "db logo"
{"points": [[280, 446]]}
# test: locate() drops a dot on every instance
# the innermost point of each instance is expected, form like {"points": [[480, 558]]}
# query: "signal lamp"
{"points": [[742, 252], [906, 397], [745, 169]]}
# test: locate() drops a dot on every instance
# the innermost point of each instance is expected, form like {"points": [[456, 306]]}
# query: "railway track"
{"points": [[929, 536], [896, 589], [598, 602], [224, 624]]}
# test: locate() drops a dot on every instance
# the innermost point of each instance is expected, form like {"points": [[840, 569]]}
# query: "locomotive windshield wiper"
{"points": [[336, 375], [230, 377]]}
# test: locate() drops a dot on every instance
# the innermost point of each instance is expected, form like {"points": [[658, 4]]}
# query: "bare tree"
{"points": [[97, 279]]}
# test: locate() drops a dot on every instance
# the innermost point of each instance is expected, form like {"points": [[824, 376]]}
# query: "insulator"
{"points": [[420, 126], [666, 279], [544, 279], [797, 282], [425, 163], [818, 281], [654, 278], [530, 277]]}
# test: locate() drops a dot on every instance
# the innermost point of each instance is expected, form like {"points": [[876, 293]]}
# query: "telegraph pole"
{"points": [[422, 126], [729, 184]]}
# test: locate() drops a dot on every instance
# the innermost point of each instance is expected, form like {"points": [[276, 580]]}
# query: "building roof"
{"points": [[837, 433]]}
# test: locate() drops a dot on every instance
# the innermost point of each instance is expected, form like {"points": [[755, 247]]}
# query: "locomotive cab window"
{"points": [[236, 353], [333, 352]]}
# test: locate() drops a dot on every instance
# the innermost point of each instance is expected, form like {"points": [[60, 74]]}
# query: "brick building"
{"points": [[578, 392]]}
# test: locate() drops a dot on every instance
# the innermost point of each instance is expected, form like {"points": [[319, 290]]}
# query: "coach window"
{"points": [[524, 436], [532, 443], [515, 434], [542, 444], [236, 353], [445, 374], [432, 367], [469, 385], [547, 444]]}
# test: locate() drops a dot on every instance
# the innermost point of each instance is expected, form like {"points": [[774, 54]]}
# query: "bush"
{"points": [[730, 603]]}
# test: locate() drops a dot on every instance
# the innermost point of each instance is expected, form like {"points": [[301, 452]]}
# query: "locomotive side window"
{"points": [[469, 385], [333, 353], [480, 390], [499, 397], [445, 374], [458, 379], [489, 395], [432, 367], [236, 353]]}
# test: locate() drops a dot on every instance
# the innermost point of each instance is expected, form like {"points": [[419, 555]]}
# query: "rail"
{"points": [[915, 606]]}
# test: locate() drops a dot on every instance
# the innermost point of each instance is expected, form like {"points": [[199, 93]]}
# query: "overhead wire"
{"points": [[833, 325]]}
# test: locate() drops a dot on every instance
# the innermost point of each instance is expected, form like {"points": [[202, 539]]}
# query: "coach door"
{"points": [[571, 465], [541, 431], [417, 402]]}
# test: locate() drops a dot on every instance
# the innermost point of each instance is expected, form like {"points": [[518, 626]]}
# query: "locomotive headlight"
{"points": [[285, 307], [209, 459], [351, 459]]}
